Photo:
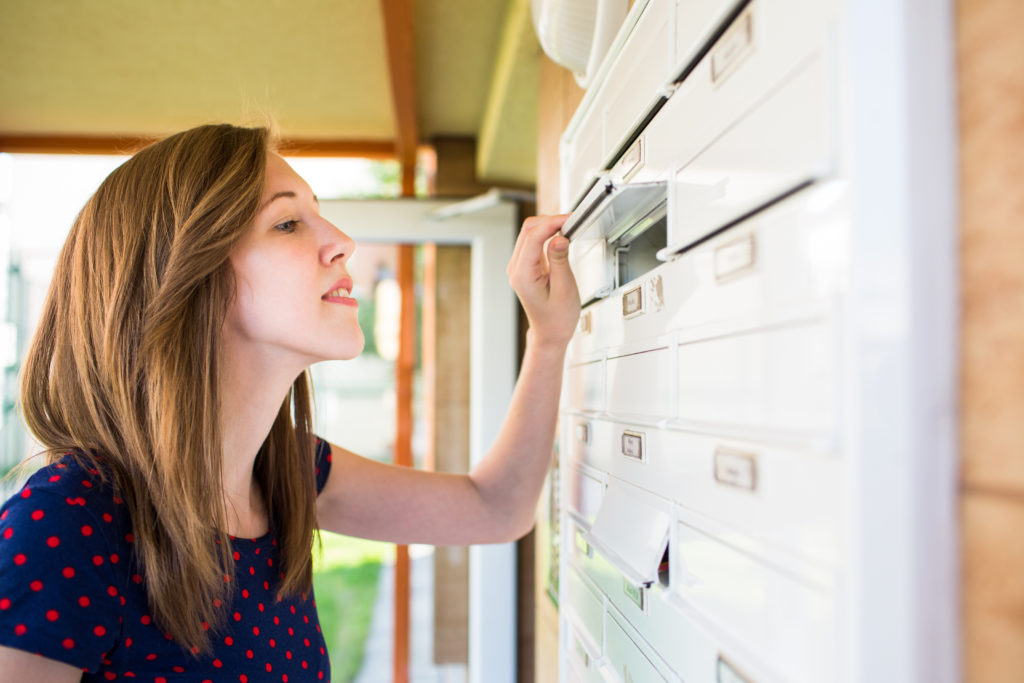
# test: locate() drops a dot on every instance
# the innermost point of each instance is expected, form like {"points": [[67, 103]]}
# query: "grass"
{"points": [[345, 581]]}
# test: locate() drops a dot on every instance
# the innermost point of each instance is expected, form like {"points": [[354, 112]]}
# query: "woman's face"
{"points": [[292, 297]]}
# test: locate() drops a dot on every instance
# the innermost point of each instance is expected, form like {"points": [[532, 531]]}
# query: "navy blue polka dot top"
{"points": [[70, 590]]}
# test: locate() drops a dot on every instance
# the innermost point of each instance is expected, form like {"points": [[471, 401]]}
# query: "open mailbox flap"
{"points": [[610, 211], [631, 531]]}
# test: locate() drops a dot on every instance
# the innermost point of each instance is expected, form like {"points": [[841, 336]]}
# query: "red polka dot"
{"points": [[146, 619], [216, 602], [69, 572], [269, 668], [20, 559], [245, 592], [26, 492], [237, 616], [20, 629], [128, 642], [86, 530], [255, 630], [272, 643], [159, 679], [38, 515], [151, 656], [137, 578], [252, 571], [217, 663], [287, 654], [107, 517], [36, 585], [87, 484], [249, 654], [112, 591], [115, 558], [277, 621], [237, 556], [229, 641], [100, 631], [68, 643], [53, 541], [243, 678], [110, 675], [55, 477], [52, 615], [304, 664], [320, 675], [83, 601], [260, 606], [97, 560], [284, 677], [129, 537], [4, 603], [206, 626], [179, 669]]}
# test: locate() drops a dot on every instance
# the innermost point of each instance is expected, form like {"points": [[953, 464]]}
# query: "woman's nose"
{"points": [[338, 246]]}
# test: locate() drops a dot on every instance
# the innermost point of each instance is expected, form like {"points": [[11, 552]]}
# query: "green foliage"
{"points": [[345, 574], [344, 600]]}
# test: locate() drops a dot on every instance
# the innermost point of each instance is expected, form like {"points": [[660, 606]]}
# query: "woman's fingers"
{"points": [[527, 264], [524, 232]]}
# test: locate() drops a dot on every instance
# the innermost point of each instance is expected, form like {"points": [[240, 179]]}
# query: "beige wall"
{"points": [[990, 73]]}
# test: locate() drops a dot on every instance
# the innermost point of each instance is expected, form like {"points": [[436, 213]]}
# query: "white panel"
{"points": [[583, 493], [774, 380], [637, 77], [640, 384], [629, 659], [631, 531], [695, 23], [772, 497], [788, 624], [783, 143], [627, 86], [780, 263], [585, 386], [588, 441], [585, 609]]}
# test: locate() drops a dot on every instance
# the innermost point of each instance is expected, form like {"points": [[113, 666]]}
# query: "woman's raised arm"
{"points": [[495, 502]]}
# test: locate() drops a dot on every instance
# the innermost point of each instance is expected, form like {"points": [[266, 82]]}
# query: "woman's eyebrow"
{"points": [[285, 193]]}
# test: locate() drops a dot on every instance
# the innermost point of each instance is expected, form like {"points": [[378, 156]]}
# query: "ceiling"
{"points": [[321, 69]]}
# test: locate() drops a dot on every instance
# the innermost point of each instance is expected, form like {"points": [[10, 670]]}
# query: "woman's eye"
{"points": [[287, 226]]}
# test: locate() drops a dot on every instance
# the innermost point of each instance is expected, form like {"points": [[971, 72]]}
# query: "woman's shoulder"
{"points": [[75, 489]]}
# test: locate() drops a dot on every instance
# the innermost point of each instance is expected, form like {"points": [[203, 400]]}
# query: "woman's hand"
{"points": [[543, 281]]}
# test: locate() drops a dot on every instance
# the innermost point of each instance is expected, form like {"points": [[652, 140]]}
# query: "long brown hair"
{"points": [[124, 368]]}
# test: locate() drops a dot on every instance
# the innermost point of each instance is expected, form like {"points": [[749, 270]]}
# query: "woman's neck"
{"points": [[252, 390]]}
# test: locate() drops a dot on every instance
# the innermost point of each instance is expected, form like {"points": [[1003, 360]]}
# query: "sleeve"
{"points": [[323, 463], [57, 588]]}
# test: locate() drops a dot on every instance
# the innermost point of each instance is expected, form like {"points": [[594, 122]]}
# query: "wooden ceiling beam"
{"points": [[398, 37], [72, 144]]}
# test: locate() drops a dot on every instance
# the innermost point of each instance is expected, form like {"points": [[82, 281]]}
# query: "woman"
{"points": [[170, 536]]}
